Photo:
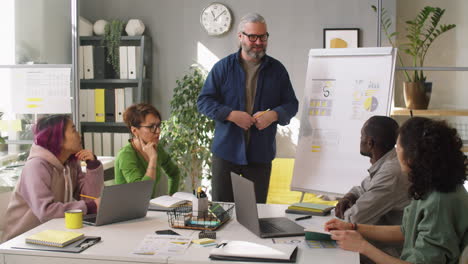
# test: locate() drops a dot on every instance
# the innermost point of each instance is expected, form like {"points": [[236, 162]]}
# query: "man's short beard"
{"points": [[256, 55], [253, 54], [366, 154]]}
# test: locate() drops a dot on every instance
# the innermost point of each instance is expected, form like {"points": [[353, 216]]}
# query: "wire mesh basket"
{"points": [[216, 216]]}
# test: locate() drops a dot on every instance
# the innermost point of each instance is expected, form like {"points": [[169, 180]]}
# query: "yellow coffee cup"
{"points": [[74, 219]]}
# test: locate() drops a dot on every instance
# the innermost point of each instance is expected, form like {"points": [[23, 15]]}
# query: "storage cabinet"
{"points": [[104, 95]]}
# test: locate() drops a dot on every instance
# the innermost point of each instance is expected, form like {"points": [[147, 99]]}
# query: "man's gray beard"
{"points": [[256, 55], [253, 54]]}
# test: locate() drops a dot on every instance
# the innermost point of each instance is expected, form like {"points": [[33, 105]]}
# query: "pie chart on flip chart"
{"points": [[371, 104]]}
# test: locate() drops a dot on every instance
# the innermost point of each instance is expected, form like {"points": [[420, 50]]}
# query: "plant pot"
{"points": [[417, 94]]}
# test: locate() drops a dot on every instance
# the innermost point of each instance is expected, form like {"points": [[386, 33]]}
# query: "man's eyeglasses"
{"points": [[152, 128], [253, 37]]}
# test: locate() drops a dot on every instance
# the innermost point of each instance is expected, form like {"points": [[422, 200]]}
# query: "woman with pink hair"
{"points": [[51, 181]]}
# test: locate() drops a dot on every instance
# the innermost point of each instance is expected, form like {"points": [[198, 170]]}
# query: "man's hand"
{"points": [[344, 204], [335, 224], [241, 119], [264, 119]]}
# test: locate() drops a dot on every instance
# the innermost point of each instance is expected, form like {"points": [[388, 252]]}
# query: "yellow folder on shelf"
{"points": [[99, 105], [54, 238]]}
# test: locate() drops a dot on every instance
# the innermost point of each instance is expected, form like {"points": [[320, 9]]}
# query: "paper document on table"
{"points": [[169, 245]]}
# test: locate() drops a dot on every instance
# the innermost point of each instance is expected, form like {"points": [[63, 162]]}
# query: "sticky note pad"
{"points": [[203, 241]]}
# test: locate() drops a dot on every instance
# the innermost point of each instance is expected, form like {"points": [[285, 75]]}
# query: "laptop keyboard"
{"points": [[90, 220], [268, 227]]}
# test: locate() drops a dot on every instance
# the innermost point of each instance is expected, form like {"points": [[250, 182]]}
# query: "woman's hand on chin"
{"points": [[85, 155]]}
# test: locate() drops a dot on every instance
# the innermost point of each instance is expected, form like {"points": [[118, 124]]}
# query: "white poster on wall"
{"points": [[40, 90]]}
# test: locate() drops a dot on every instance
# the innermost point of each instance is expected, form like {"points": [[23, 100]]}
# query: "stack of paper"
{"points": [[163, 245], [309, 209]]}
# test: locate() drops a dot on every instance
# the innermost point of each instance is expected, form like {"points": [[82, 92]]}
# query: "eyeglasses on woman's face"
{"points": [[152, 128]]}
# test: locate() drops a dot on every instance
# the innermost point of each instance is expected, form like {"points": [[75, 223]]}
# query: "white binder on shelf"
{"points": [[133, 61], [117, 143], [128, 97], [88, 141], [125, 138], [107, 144], [81, 62], [123, 61], [119, 104], [91, 110], [83, 105], [97, 144], [88, 62]]}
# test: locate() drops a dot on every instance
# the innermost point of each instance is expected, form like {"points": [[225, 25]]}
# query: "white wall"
{"points": [[294, 27]]}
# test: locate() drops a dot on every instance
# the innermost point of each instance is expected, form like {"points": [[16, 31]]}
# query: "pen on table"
{"points": [[262, 113], [87, 196], [303, 218]]}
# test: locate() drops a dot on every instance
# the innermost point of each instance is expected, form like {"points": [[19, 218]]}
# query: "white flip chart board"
{"points": [[344, 87]]}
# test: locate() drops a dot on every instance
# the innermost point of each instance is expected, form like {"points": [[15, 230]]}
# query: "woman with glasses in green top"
{"points": [[143, 158], [435, 224]]}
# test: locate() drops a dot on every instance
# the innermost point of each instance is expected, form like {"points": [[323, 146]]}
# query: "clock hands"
{"points": [[216, 18], [213, 15]]}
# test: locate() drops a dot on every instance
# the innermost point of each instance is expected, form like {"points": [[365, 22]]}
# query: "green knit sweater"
{"points": [[130, 166]]}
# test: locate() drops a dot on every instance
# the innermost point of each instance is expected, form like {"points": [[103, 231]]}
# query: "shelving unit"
{"points": [[431, 112], [142, 84]]}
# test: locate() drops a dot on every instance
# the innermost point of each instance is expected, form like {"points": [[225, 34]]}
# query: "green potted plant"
{"points": [[187, 134], [112, 34], [421, 33]]}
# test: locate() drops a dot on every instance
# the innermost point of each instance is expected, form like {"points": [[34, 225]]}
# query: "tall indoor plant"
{"points": [[187, 134], [421, 33]]}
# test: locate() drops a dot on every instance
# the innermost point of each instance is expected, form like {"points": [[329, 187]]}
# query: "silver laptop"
{"points": [[247, 214], [122, 202]]}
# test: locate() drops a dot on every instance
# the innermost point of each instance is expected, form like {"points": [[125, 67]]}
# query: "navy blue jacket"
{"points": [[224, 91]]}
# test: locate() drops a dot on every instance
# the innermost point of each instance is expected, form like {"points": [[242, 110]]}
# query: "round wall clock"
{"points": [[216, 19]]}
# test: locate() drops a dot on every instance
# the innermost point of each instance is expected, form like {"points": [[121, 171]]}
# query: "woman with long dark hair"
{"points": [[435, 225], [51, 181]]}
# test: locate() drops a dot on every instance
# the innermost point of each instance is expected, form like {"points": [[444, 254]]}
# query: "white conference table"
{"points": [[119, 240]]}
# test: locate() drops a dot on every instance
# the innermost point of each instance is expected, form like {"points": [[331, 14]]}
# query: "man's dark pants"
{"points": [[221, 184]]}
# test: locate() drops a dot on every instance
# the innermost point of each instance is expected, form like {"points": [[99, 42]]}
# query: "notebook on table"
{"points": [[309, 209], [249, 251], [247, 214], [75, 247], [166, 202], [54, 238], [122, 202]]}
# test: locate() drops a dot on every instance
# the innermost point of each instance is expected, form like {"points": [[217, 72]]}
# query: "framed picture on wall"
{"points": [[340, 38]]}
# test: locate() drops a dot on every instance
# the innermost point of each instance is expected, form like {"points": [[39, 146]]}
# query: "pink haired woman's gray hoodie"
{"points": [[47, 188]]}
